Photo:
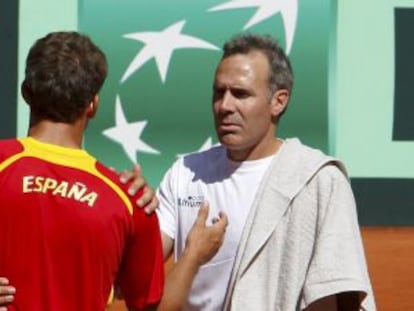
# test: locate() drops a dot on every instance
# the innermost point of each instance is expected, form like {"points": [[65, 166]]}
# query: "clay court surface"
{"points": [[390, 256]]}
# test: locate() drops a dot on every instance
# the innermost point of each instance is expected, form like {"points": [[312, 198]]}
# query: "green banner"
{"points": [[156, 103], [352, 54]]}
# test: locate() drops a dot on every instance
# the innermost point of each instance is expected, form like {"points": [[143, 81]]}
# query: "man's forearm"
{"points": [[202, 244], [178, 283]]}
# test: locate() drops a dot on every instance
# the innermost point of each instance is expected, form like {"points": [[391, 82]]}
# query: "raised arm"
{"points": [[202, 244]]}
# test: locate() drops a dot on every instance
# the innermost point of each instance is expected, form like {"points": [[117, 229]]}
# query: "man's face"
{"points": [[242, 105]]}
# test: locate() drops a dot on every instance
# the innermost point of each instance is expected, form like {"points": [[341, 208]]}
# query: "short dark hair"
{"points": [[64, 71], [281, 74]]}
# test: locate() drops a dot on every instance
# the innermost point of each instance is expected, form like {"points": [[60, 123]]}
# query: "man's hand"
{"points": [[6, 293], [203, 241], [202, 244], [147, 200]]}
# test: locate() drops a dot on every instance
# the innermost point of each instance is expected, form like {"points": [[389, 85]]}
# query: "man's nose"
{"points": [[227, 102]]}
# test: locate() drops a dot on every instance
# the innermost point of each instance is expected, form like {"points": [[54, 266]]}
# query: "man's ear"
{"points": [[26, 93], [92, 107], [279, 102]]}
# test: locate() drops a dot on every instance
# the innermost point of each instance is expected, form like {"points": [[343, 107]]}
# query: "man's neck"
{"points": [[257, 152], [60, 134]]}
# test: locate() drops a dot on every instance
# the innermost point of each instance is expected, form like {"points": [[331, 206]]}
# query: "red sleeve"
{"points": [[141, 277], [9, 148]]}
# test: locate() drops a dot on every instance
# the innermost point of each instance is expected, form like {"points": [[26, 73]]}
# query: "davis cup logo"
{"points": [[157, 99]]}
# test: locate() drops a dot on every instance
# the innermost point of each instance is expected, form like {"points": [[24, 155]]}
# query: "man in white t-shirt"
{"points": [[277, 254]]}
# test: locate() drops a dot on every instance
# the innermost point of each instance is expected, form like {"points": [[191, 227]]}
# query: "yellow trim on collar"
{"points": [[69, 157]]}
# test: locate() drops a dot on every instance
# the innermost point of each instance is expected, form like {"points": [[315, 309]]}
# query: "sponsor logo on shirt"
{"points": [[191, 201], [75, 191]]}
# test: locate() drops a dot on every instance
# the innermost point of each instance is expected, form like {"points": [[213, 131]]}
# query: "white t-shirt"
{"points": [[228, 186]]}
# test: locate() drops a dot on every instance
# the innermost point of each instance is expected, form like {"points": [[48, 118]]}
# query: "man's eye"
{"points": [[240, 94], [218, 93]]}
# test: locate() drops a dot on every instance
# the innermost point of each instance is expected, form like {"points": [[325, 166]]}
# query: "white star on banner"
{"points": [[265, 9], [128, 135], [208, 143], [161, 45]]}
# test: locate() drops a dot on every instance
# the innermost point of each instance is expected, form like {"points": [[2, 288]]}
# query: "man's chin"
{"points": [[231, 141], [228, 140]]}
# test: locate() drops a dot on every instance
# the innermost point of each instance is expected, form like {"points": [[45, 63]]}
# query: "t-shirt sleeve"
{"points": [[338, 264], [166, 211], [141, 277]]}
